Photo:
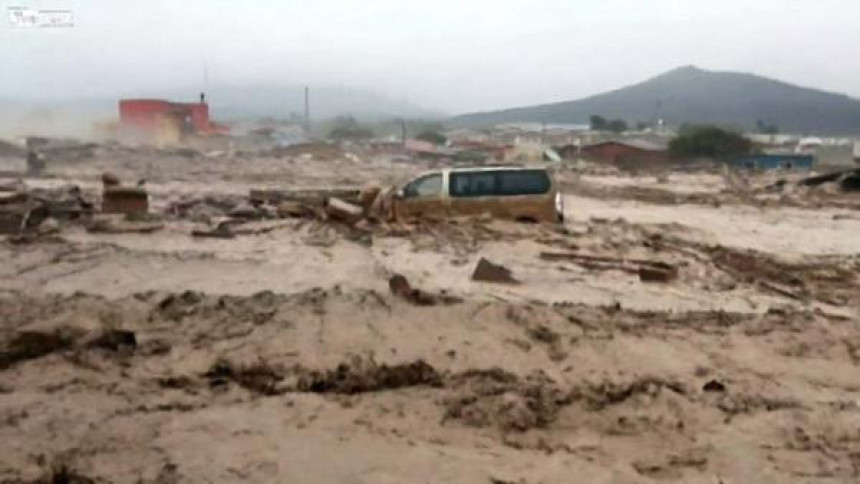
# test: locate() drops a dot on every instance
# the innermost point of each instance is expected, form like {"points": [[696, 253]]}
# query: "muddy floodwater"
{"points": [[279, 350]]}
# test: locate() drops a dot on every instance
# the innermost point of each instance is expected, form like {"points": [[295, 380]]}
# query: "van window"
{"points": [[460, 184], [476, 184], [425, 186], [499, 183], [524, 182]]}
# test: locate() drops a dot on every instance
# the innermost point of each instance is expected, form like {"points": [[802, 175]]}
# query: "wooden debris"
{"points": [[117, 198], [294, 209], [113, 225], [656, 274], [748, 267], [337, 209], [382, 207], [259, 227], [125, 200], [368, 194], [314, 196], [784, 291], [220, 232], [647, 270], [17, 218]]}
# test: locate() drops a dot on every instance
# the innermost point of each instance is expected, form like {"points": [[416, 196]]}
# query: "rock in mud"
{"points": [[486, 271], [401, 288], [714, 386]]}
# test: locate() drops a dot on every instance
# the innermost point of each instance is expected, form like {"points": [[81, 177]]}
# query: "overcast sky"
{"points": [[450, 55]]}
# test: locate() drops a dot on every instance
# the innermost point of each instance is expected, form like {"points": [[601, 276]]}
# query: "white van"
{"points": [[526, 194]]}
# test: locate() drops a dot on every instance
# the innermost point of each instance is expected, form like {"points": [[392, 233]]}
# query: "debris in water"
{"points": [[362, 376], [115, 340], [260, 378], [337, 209], [401, 288], [30, 345]]}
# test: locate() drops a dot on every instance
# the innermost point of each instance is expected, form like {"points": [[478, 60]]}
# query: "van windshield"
{"points": [[425, 186], [499, 183]]}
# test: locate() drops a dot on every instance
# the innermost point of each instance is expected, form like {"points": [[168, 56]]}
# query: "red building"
{"points": [[159, 120]]}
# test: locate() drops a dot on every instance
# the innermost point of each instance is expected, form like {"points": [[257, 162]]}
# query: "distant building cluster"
{"points": [[649, 147]]}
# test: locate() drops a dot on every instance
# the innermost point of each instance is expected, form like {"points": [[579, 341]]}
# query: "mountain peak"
{"points": [[688, 68], [683, 72], [689, 94]]}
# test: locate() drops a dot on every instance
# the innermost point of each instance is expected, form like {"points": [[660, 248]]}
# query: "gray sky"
{"points": [[450, 55]]}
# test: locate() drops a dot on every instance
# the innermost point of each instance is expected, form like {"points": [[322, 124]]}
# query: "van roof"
{"points": [[494, 168], [481, 168]]}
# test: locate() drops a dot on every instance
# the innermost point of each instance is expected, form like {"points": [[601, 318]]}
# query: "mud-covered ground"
{"points": [[281, 355]]}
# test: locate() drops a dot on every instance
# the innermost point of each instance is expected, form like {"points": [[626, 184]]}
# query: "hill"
{"points": [[692, 95]]}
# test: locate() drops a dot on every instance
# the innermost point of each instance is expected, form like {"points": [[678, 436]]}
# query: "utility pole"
{"points": [[205, 82], [307, 110], [403, 132]]}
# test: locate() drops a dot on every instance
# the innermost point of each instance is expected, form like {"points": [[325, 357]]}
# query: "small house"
{"points": [[632, 154], [774, 162]]}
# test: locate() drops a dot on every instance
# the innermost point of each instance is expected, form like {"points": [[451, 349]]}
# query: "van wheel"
{"points": [[526, 220]]}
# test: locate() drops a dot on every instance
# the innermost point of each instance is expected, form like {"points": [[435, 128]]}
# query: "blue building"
{"points": [[774, 162]]}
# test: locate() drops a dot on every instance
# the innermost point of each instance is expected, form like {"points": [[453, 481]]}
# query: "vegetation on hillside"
{"points": [[709, 141], [599, 123]]}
